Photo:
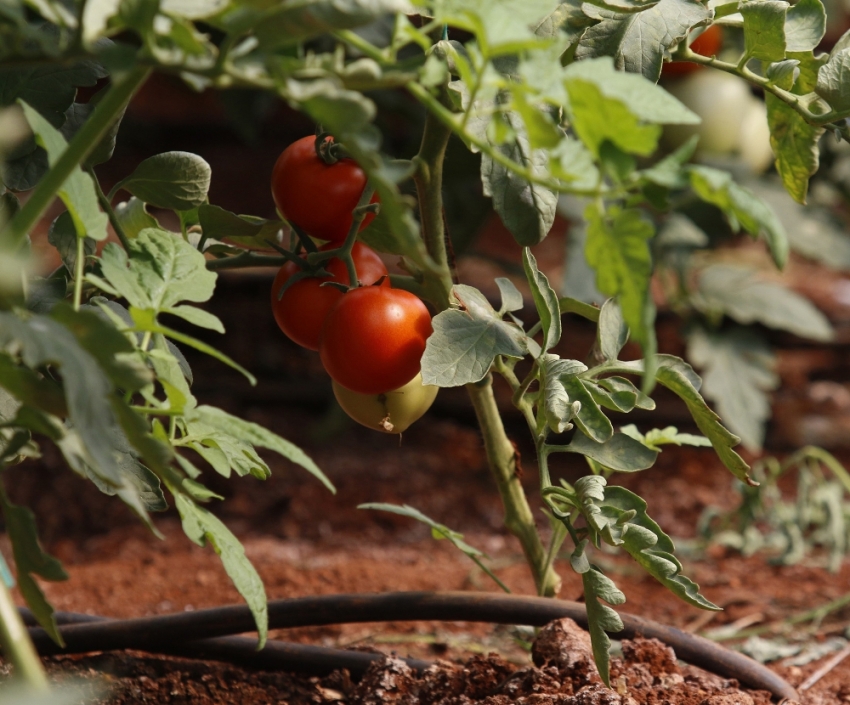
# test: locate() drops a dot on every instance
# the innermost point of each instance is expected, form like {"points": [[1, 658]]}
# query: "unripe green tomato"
{"points": [[754, 137], [721, 100], [390, 412]]}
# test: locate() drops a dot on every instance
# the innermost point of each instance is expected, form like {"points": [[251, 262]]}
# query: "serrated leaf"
{"points": [[620, 453], [612, 333], [545, 300], [795, 143], [78, 192], [738, 373], [30, 558], [63, 236], [678, 376], [617, 248], [600, 617], [527, 210], [262, 438], [833, 83], [639, 40], [651, 548], [590, 419], [175, 180], [805, 25], [466, 341], [133, 217], [202, 527], [742, 207], [738, 292], [764, 29], [164, 269], [220, 224], [438, 531]]}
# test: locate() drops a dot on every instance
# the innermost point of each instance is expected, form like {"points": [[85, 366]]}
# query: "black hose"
{"points": [[151, 633]]}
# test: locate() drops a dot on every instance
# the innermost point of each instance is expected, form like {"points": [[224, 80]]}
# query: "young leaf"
{"points": [[657, 437], [620, 453], [805, 25], [78, 192], [612, 333], [438, 531], [545, 300], [833, 84], [601, 619], [651, 548], [624, 394], [133, 217], [764, 29], [175, 180], [738, 373], [527, 209], [511, 296], [224, 451], [201, 526], [30, 558], [557, 407], [63, 236], [465, 341], [738, 292], [638, 40], [590, 419]]}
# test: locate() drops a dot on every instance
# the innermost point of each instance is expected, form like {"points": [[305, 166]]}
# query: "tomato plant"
{"points": [[317, 196], [373, 339], [301, 307], [391, 412], [707, 43], [558, 106]]}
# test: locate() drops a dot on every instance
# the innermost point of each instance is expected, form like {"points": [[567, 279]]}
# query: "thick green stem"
{"points": [[106, 205], [17, 646], [502, 459], [86, 139]]}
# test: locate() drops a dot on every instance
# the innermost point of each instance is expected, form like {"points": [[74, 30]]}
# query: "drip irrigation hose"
{"points": [[191, 631]]}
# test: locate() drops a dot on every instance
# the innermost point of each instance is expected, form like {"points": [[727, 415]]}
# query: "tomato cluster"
{"points": [[371, 337]]}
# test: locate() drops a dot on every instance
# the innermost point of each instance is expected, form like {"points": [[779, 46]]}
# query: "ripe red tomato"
{"points": [[302, 309], [315, 196], [373, 339], [708, 44]]}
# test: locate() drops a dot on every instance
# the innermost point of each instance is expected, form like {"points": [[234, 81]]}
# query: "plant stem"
{"points": [[17, 646], [502, 458], [86, 139], [106, 204], [79, 272], [246, 259]]}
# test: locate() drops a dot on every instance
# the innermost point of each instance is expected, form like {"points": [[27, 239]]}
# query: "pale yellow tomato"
{"points": [[390, 412]]}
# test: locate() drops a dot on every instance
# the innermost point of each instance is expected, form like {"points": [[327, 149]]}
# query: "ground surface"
{"points": [[305, 541]]}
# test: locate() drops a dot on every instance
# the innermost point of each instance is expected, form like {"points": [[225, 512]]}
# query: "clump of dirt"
{"points": [[562, 673]]}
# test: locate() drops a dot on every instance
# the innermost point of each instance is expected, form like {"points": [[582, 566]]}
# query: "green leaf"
{"points": [[601, 618], [339, 110], [590, 419], [795, 143], [621, 453], [78, 192], [466, 340], [527, 209], [764, 29], [29, 387], [545, 300], [738, 292], [197, 316], [134, 217], [557, 407], [615, 393], [163, 270], [833, 84], [249, 231], [63, 236], [201, 526], [175, 180], [651, 548], [612, 333], [438, 531], [564, 25], [260, 437], [742, 208], [639, 40], [679, 377], [617, 248], [31, 559], [805, 25], [511, 296], [657, 437], [738, 374]]}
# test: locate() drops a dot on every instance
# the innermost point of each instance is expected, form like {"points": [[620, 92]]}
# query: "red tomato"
{"points": [[302, 309], [708, 44], [373, 339], [315, 196]]}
